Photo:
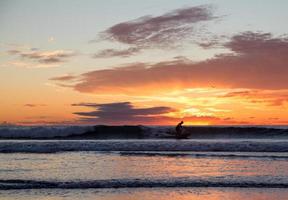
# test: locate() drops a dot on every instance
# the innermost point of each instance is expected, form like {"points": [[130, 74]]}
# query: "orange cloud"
{"points": [[34, 105], [259, 62], [268, 97]]}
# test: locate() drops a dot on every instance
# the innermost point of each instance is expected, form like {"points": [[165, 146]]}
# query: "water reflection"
{"points": [[95, 166]]}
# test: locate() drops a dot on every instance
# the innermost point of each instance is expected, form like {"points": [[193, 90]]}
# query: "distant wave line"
{"points": [[137, 183]]}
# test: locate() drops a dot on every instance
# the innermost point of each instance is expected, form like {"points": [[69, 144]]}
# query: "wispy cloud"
{"points": [[25, 64], [43, 57], [164, 31], [117, 53], [47, 122], [33, 105], [66, 77], [267, 97]]}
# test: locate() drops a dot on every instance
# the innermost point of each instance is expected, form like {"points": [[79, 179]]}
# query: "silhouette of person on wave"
{"points": [[179, 129]]}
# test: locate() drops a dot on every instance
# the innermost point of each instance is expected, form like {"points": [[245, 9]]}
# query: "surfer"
{"points": [[179, 129]]}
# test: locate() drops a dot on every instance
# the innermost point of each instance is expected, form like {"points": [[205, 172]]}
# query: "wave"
{"points": [[139, 132], [144, 183], [41, 132], [53, 146]]}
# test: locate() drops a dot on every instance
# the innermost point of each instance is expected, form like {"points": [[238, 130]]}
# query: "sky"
{"points": [[153, 62]]}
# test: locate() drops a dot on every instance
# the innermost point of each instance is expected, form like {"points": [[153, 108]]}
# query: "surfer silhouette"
{"points": [[179, 129]]}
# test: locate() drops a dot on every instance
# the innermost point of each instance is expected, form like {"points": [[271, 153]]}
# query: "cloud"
{"points": [[268, 97], [259, 61], [39, 117], [257, 44], [166, 28], [33, 105], [14, 51], [25, 64], [164, 31], [117, 53], [121, 112], [67, 77], [126, 113], [44, 57], [122, 109], [46, 122]]}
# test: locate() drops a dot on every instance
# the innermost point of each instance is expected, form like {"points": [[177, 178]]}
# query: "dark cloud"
{"points": [[126, 113], [157, 32], [166, 28], [122, 112], [44, 57], [50, 60], [252, 43], [256, 63], [117, 53]]}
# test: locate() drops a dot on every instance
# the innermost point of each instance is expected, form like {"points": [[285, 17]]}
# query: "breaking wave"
{"points": [[139, 132], [41, 132]]}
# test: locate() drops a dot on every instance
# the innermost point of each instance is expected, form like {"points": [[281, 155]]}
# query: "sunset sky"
{"points": [[207, 62]]}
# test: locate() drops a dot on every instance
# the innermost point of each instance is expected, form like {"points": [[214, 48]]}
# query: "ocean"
{"points": [[150, 168]]}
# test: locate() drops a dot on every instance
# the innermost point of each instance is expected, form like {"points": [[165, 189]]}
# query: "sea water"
{"points": [[144, 169]]}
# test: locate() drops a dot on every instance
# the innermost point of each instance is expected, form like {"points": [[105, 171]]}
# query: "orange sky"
{"points": [[194, 63]]}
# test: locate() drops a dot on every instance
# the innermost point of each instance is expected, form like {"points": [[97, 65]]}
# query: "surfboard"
{"points": [[184, 135]]}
